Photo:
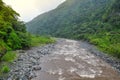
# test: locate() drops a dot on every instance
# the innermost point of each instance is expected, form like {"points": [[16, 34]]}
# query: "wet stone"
{"points": [[22, 51], [20, 59], [36, 68], [38, 51], [31, 75]]}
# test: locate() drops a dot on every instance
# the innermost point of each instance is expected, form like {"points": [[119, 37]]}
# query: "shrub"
{"points": [[25, 39], [3, 48], [9, 56], [114, 49], [5, 69], [2, 34], [14, 41]]}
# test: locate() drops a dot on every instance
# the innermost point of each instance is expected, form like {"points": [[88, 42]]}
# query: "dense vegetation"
{"points": [[13, 35], [97, 21]]}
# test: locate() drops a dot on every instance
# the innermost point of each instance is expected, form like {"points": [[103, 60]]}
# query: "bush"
{"points": [[114, 49], [9, 56], [3, 48], [25, 39], [2, 34], [5, 69], [95, 41], [14, 41]]}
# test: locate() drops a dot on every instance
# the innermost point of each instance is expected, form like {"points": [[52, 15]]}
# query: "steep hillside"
{"points": [[71, 13], [97, 21]]}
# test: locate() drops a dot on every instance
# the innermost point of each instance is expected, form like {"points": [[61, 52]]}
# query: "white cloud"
{"points": [[28, 9]]}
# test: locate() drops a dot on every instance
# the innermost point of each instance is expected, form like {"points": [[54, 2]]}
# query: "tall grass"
{"points": [[10, 56], [41, 40]]}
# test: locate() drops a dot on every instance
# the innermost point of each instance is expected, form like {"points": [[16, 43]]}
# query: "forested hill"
{"points": [[97, 21], [67, 16]]}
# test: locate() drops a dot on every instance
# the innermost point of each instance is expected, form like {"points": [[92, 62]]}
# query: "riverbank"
{"points": [[10, 56], [29, 61]]}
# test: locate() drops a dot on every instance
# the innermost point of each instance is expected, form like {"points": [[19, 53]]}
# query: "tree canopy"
{"points": [[13, 33]]}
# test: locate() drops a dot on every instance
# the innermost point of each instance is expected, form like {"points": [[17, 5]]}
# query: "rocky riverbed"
{"points": [[27, 63], [64, 60]]}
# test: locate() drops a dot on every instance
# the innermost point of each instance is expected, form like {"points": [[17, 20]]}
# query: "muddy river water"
{"points": [[70, 61]]}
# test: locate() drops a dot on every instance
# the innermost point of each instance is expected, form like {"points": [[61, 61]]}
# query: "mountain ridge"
{"points": [[57, 16], [97, 21]]}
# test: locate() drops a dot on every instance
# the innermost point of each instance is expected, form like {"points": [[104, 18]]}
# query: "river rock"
{"points": [[36, 68]]}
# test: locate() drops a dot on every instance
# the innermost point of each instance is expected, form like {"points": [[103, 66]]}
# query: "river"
{"points": [[70, 60]]}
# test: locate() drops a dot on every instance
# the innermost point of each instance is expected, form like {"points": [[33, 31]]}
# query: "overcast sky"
{"points": [[28, 9]]}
